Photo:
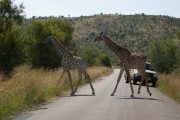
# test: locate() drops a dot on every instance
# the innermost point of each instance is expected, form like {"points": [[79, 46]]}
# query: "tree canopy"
{"points": [[10, 44]]}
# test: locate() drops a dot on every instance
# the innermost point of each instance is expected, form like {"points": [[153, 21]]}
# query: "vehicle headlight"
{"points": [[155, 75]]}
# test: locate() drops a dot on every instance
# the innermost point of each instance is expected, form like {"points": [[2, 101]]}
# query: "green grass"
{"points": [[28, 87], [170, 85]]}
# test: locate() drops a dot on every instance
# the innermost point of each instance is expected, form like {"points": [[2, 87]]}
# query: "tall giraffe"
{"points": [[126, 60], [71, 62]]}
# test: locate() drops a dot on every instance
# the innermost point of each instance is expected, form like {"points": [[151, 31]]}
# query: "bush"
{"points": [[105, 61], [164, 55], [11, 50], [95, 58], [44, 55], [10, 45]]}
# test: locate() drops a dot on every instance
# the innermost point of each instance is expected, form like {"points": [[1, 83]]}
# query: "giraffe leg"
{"points": [[79, 79], [70, 80], [148, 86], [144, 77], [142, 80], [128, 75], [89, 80], [62, 74], [143, 73], [118, 80]]}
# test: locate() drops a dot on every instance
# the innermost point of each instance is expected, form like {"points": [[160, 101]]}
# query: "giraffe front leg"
{"points": [[62, 74], [79, 80], [70, 81], [118, 80], [128, 75]]}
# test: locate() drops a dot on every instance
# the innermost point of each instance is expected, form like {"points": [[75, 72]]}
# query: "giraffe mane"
{"points": [[61, 45], [117, 46]]}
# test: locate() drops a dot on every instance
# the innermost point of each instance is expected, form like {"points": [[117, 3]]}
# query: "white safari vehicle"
{"points": [[136, 77]]}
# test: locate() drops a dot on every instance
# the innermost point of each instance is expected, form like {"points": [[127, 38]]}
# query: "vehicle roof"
{"points": [[148, 63]]}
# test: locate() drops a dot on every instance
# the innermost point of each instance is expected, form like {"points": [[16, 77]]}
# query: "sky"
{"points": [[76, 8]]}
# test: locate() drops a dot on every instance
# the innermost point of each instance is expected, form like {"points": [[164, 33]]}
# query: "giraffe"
{"points": [[126, 60], [70, 62]]}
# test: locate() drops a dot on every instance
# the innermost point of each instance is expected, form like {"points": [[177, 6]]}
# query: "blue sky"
{"points": [[91, 7]]}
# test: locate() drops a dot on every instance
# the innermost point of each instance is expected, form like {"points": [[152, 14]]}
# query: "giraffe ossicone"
{"points": [[126, 60], [70, 62]]}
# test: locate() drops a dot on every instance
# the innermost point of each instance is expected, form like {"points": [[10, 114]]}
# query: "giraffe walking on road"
{"points": [[127, 60], [71, 62]]}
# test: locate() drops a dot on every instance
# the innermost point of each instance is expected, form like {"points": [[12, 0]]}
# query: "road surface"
{"points": [[102, 106]]}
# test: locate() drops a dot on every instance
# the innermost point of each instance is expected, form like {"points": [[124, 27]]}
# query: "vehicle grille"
{"points": [[150, 75]]}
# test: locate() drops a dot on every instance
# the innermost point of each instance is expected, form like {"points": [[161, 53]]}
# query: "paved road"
{"points": [[83, 106]]}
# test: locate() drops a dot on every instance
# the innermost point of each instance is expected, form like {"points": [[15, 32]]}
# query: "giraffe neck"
{"points": [[117, 49], [60, 48]]}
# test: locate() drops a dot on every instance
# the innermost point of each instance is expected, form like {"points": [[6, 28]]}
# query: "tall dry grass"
{"points": [[28, 87], [170, 85]]}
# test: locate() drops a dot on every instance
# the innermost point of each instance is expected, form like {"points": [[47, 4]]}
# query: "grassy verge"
{"points": [[29, 87], [170, 85]]}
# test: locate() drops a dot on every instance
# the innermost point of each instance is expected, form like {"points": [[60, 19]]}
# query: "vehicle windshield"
{"points": [[149, 67]]}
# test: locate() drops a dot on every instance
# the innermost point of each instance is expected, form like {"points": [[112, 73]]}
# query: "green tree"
{"points": [[90, 55], [176, 69], [10, 44], [163, 54], [95, 58], [104, 60], [44, 55]]}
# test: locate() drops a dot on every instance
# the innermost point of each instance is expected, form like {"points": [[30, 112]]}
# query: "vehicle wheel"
{"points": [[127, 81], [144, 83], [154, 84], [134, 81]]}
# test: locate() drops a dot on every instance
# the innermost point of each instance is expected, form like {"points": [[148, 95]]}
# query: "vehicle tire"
{"points": [[127, 81], [144, 83], [126, 78], [154, 84], [134, 81]]}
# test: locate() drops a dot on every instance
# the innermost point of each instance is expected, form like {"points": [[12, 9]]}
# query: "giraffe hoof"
{"points": [[112, 94], [132, 96], [93, 93], [72, 94], [150, 94], [138, 92]]}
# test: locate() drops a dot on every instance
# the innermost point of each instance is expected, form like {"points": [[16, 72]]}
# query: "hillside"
{"points": [[135, 32]]}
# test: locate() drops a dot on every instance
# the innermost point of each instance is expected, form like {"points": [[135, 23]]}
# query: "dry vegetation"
{"points": [[170, 85], [28, 87]]}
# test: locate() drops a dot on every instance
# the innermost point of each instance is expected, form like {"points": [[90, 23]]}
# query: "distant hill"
{"points": [[135, 32]]}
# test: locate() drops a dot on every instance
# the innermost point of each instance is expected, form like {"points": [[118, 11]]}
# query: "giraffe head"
{"points": [[48, 39], [100, 37]]}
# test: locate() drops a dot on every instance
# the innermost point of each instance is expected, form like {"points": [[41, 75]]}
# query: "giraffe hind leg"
{"points": [[89, 80], [148, 87], [144, 77]]}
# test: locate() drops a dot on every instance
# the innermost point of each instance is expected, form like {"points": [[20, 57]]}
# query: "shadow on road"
{"points": [[131, 98], [79, 95]]}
